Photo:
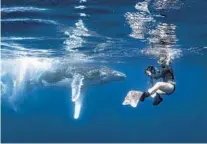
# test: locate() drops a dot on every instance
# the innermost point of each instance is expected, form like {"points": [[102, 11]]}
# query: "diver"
{"points": [[166, 87]]}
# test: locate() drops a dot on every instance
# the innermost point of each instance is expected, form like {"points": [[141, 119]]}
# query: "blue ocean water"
{"points": [[125, 36]]}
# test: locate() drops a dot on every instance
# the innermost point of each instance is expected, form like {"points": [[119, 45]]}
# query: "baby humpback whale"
{"points": [[78, 76], [27, 72]]}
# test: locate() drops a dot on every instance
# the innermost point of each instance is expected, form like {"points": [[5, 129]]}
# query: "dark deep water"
{"points": [[124, 35]]}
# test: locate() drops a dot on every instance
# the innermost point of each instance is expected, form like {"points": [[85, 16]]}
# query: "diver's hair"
{"points": [[165, 59]]}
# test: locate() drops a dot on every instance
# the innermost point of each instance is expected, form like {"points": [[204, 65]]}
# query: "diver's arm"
{"points": [[160, 74], [157, 75]]}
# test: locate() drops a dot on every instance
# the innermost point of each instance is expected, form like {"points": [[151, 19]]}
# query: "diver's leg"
{"points": [[157, 99], [156, 87], [160, 92], [162, 86], [150, 91], [167, 88]]}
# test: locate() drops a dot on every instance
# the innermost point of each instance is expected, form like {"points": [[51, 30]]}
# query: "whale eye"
{"points": [[103, 74]]}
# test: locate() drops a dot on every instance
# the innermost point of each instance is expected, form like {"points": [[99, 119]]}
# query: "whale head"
{"points": [[116, 76], [103, 75], [108, 75]]}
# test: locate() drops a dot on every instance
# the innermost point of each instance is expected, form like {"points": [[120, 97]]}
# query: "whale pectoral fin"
{"points": [[76, 86]]}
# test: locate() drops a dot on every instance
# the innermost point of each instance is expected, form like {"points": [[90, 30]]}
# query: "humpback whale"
{"points": [[78, 76], [34, 72]]}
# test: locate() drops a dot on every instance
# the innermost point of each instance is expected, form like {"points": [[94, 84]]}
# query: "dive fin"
{"points": [[132, 98]]}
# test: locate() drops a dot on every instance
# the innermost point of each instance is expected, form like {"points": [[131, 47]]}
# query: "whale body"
{"points": [[77, 76]]}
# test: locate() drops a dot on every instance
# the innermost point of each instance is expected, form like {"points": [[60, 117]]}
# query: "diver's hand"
{"points": [[148, 73]]}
